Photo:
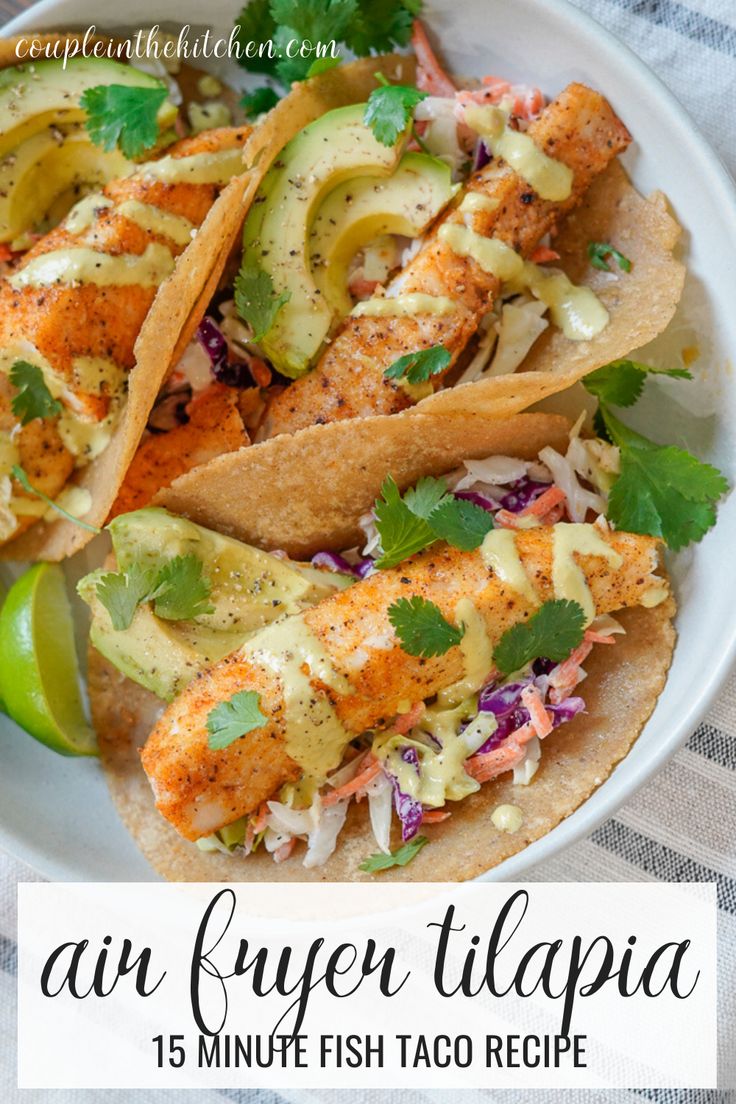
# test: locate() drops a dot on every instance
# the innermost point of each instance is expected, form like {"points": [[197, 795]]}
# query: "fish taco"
{"points": [[456, 668]]}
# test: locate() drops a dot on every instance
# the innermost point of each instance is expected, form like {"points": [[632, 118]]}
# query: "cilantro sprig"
{"points": [[599, 252], [421, 627], [256, 300], [420, 366], [123, 116], [661, 490], [621, 382], [554, 631], [258, 101], [363, 26], [34, 400], [400, 857], [234, 718], [389, 109], [22, 477], [426, 513], [178, 590]]}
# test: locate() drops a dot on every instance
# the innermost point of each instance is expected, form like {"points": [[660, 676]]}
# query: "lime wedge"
{"points": [[39, 675]]}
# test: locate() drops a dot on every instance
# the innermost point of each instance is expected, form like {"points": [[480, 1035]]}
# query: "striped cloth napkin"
{"points": [[682, 825]]}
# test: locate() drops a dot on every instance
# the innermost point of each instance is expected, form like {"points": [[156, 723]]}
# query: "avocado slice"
{"points": [[51, 166], [250, 588], [41, 94], [359, 210], [336, 147]]}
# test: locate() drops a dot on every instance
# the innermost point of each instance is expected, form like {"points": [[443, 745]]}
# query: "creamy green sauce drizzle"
{"points": [[80, 265]]}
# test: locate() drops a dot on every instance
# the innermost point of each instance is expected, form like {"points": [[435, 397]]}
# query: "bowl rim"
{"points": [[613, 793]]}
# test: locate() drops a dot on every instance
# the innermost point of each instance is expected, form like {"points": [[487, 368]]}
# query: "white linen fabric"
{"points": [[682, 825]]}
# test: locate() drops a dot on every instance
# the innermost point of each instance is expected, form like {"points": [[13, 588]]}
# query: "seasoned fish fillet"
{"points": [[579, 129], [199, 790], [73, 330], [215, 426]]}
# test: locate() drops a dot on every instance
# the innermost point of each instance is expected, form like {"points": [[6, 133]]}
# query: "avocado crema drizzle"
{"points": [[86, 437], [314, 735]]}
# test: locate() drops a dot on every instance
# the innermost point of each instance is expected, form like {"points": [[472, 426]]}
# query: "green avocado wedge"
{"points": [[41, 94], [360, 210], [248, 589], [336, 147], [39, 675]]}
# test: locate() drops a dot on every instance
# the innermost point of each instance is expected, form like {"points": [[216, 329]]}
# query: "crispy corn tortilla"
{"points": [[290, 492], [620, 692], [621, 689], [182, 299]]}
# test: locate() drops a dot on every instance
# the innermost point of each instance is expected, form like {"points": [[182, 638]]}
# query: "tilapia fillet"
{"points": [[581, 130], [199, 789]]}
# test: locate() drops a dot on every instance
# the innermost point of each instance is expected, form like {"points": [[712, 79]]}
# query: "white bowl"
{"points": [[55, 813]]}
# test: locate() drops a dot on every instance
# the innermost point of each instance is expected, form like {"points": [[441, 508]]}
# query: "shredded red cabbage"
{"points": [[481, 156], [408, 809], [214, 344], [522, 493], [505, 703], [479, 500], [335, 562]]}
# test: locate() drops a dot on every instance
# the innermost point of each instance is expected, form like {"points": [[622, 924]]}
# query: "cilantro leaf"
{"points": [[426, 495], [421, 628], [379, 25], [662, 490], [400, 857], [308, 21], [34, 400], [402, 532], [418, 367], [426, 513], [321, 65], [181, 591], [461, 523], [258, 101], [256, 301], [122, 592], [255, 24], [620, 383], [389, 110], [123, 116], [234, 718], [599, 251], [21, 476], [553, 631]]}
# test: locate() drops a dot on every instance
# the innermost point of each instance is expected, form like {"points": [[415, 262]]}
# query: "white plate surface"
{"points": [[55, 813]]}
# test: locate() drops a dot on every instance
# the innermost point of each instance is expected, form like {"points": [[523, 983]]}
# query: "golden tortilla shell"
{"points": [[308, 491]]}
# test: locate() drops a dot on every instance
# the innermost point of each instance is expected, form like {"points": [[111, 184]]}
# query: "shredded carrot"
{"points": [[431, 77], [6, 253], [250, 836], [567, 675], [434, 817], [546, 502], [259, 820], [260, 371], [542, 254], [361, 779], [598, 638], [541, 720], [406, 721], [507, 519], [282, 853], [489, 765]]}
